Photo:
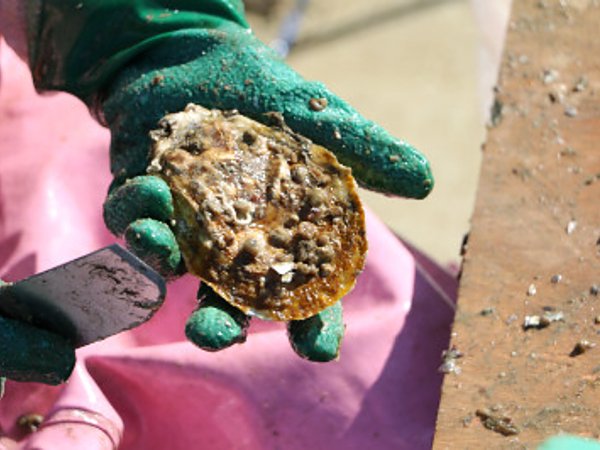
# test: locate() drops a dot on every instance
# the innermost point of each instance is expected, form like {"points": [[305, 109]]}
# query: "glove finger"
{"points": [[32, 354], [216, 325], [139, 209], [138, 198], [231, 69], [155, 243], [319, 337]]}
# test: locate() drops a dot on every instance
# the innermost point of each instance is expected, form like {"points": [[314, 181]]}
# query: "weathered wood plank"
{"points": [[536, 227]]}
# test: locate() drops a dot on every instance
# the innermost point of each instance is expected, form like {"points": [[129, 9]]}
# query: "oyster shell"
{"points": [[271, 221]]}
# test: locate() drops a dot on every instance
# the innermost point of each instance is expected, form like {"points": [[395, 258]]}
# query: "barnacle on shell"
{"points": [[271, 221]]}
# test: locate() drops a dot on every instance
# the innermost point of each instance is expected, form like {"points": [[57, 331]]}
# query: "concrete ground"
{"points": [[410, 65]]}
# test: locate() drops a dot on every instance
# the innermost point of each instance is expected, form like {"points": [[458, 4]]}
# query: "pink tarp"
{"points": [[149, 388]]}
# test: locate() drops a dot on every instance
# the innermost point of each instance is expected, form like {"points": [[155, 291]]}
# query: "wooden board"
{"points": [[535, 230]]}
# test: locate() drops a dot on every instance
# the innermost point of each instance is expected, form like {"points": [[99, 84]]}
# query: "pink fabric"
{"points": [[149, 388]]}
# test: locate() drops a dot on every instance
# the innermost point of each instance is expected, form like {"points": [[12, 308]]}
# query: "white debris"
{"points": [[283, 267]]}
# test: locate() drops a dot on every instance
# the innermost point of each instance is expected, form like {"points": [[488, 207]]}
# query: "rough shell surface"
{"points": [[270, 221]]}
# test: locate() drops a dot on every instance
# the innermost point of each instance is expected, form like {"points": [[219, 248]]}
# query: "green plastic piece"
{"points": [[32, 354], [155, 243], [216, 325], [78, 46], [318, 338], [569, 443], [139, 198]]}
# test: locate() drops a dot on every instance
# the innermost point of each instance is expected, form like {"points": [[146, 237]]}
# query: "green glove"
{"points": [[31, 354], [133, 61]]}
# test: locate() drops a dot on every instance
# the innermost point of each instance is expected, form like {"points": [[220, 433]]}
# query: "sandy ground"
{"points": [[410, 65]]}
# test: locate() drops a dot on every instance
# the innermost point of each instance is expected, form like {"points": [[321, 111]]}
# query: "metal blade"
{"points": [[89, 298]]}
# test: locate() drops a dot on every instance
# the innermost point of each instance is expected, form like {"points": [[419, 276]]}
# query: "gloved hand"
{"points": [[133, 61], [28, 353]]}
